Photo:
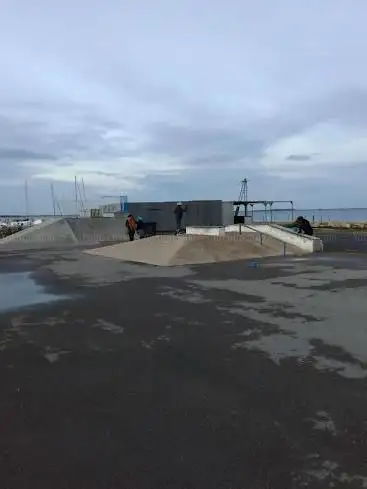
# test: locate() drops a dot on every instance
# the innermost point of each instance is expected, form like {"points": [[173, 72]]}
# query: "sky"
{"points": [[181, 100]]}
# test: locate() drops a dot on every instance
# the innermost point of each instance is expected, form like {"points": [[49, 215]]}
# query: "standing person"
{"points": [[179, 212], [131, 226]]}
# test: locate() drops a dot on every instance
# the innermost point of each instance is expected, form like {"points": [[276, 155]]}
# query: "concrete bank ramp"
{"points": [[48, 234], [59, 232], [186, 250]]}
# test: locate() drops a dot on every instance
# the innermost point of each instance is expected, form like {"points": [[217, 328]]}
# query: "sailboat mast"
{"points": [[53, 198], [76, 195], [26, 199]]}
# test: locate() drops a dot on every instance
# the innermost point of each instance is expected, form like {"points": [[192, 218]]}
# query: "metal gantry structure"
{"points": [[244, 190], [250, 204]]}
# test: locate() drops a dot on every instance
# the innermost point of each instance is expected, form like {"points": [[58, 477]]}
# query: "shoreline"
{"points": [[334, 225]]}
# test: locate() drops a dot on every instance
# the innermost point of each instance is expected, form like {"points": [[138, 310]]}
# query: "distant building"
{"points": [[199, 213]]}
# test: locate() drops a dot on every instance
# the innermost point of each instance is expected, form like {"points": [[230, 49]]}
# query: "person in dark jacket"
{"points": [[303, 226], [131, 226], [179, 212]]}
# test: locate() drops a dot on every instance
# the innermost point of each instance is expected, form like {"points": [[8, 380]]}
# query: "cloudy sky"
{"points": [[182, 99]]}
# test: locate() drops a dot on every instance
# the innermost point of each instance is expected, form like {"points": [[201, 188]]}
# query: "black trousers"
{"points": [[131, 234], [178, 222]]}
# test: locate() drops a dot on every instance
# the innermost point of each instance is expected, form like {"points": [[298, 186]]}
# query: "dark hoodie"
{"points": [[179, 211], [304, 226]]}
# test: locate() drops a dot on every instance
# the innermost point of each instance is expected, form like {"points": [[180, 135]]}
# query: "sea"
{"points": [[313, 215], [276, 215]]}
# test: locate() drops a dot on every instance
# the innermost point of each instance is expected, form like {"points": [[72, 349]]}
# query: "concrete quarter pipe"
{"points": [[98, 230], [61, 232]]}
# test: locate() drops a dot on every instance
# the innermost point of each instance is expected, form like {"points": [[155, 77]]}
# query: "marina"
{"points": [[254, 210]]}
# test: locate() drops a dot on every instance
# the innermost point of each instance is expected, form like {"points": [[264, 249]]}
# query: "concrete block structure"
{"points": [[198, 213]]}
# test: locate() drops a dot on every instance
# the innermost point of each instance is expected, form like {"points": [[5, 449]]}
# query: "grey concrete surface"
{"points": [[215, 376]]}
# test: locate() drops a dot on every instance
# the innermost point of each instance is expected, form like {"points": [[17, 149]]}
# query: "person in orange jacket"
{"points": [[131, 226]]}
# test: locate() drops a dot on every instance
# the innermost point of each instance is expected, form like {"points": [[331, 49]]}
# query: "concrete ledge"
{"points": [[205, 230], [239, 228], [309, 244]]}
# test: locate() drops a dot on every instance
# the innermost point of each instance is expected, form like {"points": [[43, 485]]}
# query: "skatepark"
{"points": [[223, 357], [198, 245]]}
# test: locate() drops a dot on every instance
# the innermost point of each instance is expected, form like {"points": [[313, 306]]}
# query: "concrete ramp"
{"points": [[187, 250], [157, 250], [48, 234]]}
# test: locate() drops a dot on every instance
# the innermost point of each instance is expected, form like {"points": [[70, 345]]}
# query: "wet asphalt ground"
{"points": [[237, 375], [343, 241]]}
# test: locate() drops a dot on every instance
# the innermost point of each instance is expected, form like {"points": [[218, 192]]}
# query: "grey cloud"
{"points": [[217, 159], [207, 144], [299, 157], [23, 154], [102, 173], [20, 133], [123, 77], [348, 105], [82, 135], [203, 145]]}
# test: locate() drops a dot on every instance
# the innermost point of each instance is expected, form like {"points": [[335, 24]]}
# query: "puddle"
{"points": [[19, 290]]}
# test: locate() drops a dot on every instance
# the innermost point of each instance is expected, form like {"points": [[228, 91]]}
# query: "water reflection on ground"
{"points": [[19, 290]]}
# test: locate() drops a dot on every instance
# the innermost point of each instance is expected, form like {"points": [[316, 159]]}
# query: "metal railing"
{"points": [[261, 235]]}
